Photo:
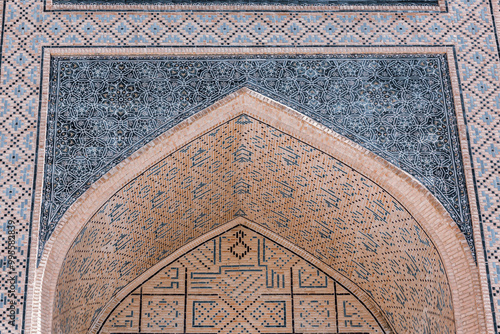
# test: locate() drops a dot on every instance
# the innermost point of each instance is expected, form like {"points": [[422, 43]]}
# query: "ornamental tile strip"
{"points": [[249, 2], [400, 107], [467, 26]]}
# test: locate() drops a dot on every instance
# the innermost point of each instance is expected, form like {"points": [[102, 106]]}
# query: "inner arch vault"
{"points": [[250, 157], [240, 281]]}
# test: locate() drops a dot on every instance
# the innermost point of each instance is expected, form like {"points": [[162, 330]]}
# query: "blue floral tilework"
{"points": [[399, 106]]}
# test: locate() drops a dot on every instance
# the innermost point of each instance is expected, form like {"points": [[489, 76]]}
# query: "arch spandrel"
{"points": [[380, 238]]}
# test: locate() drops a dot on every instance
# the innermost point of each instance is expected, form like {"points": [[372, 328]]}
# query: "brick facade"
{"points": [[462, 33]]}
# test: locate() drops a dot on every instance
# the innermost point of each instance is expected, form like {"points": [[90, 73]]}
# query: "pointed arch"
{"points": [[285, 249], [415, 234]]}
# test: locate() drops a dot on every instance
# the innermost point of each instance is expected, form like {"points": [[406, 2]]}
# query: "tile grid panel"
{"points": [[27, 28]]}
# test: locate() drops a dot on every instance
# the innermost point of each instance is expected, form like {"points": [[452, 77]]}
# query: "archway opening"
{"points": [[250, 157]]}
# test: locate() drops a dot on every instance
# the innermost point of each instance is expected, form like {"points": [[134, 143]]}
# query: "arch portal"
{"points": [[248, 156]]}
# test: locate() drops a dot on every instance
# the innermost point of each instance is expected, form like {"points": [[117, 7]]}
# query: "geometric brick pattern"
{"points": [[241, 282], [315, 314], [125, 318], [161, 313], [245, 167], [28, 27], [398, 106]]}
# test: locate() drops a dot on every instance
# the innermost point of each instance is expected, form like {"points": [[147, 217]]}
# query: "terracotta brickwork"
{"points": [[32, 30], [247, 168], [240, 281]]}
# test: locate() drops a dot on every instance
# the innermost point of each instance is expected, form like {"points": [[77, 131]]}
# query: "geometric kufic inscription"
{"points": [[257, 294], [162, 314], [316, 314], [125, 317], [352, 316]]}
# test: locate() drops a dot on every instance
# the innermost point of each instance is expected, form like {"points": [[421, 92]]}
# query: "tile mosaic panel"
{"points": [[400, 107], [242, 289], [245, 167]]}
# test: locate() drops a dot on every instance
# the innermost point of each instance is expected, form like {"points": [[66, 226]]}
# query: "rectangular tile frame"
{"points": [[52, 5], [35, 275]]}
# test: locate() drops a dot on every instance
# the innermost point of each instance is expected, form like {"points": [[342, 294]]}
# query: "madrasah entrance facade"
{"points": [[251, 167]]}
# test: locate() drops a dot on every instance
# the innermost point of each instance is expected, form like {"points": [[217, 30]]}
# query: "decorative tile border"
{"points": [[271, 6]]}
